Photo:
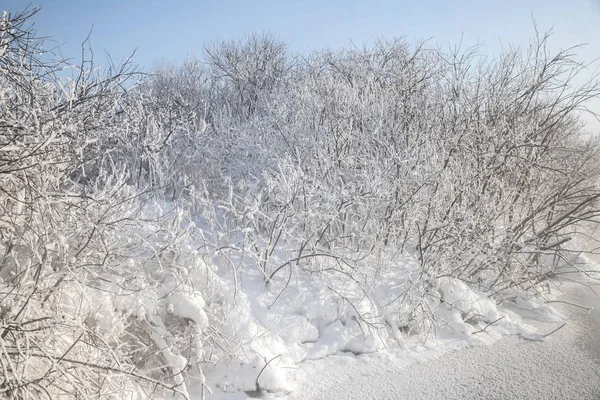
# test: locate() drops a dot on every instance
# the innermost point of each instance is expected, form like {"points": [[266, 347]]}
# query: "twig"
{"points": [[487, 326], [571, 304], [557, 329], [263, 368]]}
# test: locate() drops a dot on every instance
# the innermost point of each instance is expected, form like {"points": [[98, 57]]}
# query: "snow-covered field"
{"points": [[519, 362]]}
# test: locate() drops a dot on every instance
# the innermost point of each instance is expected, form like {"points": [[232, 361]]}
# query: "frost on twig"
{"points": [[160, 227]]}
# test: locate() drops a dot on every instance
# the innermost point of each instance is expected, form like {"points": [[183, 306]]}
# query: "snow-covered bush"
{"points": [[102, 291], [359, 160], [256, 209]]}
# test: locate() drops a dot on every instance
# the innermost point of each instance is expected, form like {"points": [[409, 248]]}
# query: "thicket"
{"points": [[132, 205]]}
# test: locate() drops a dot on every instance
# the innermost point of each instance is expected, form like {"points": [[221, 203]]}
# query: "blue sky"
{"points": [[162, 30], [171, 30]]}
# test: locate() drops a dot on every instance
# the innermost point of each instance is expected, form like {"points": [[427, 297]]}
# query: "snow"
{"points": [[481, 348], [501, 367]]}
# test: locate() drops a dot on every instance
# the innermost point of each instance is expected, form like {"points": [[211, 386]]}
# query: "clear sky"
{"points": [[171, 30]]}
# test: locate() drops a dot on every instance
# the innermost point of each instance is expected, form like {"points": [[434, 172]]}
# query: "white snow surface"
{"points": [[511, 358], [557, 367]]}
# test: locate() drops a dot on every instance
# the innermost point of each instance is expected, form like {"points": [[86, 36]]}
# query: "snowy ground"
{"points": [[565, 365], [490, 365]]}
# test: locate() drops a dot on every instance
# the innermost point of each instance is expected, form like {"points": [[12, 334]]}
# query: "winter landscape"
{"points": [[396, 220]]}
